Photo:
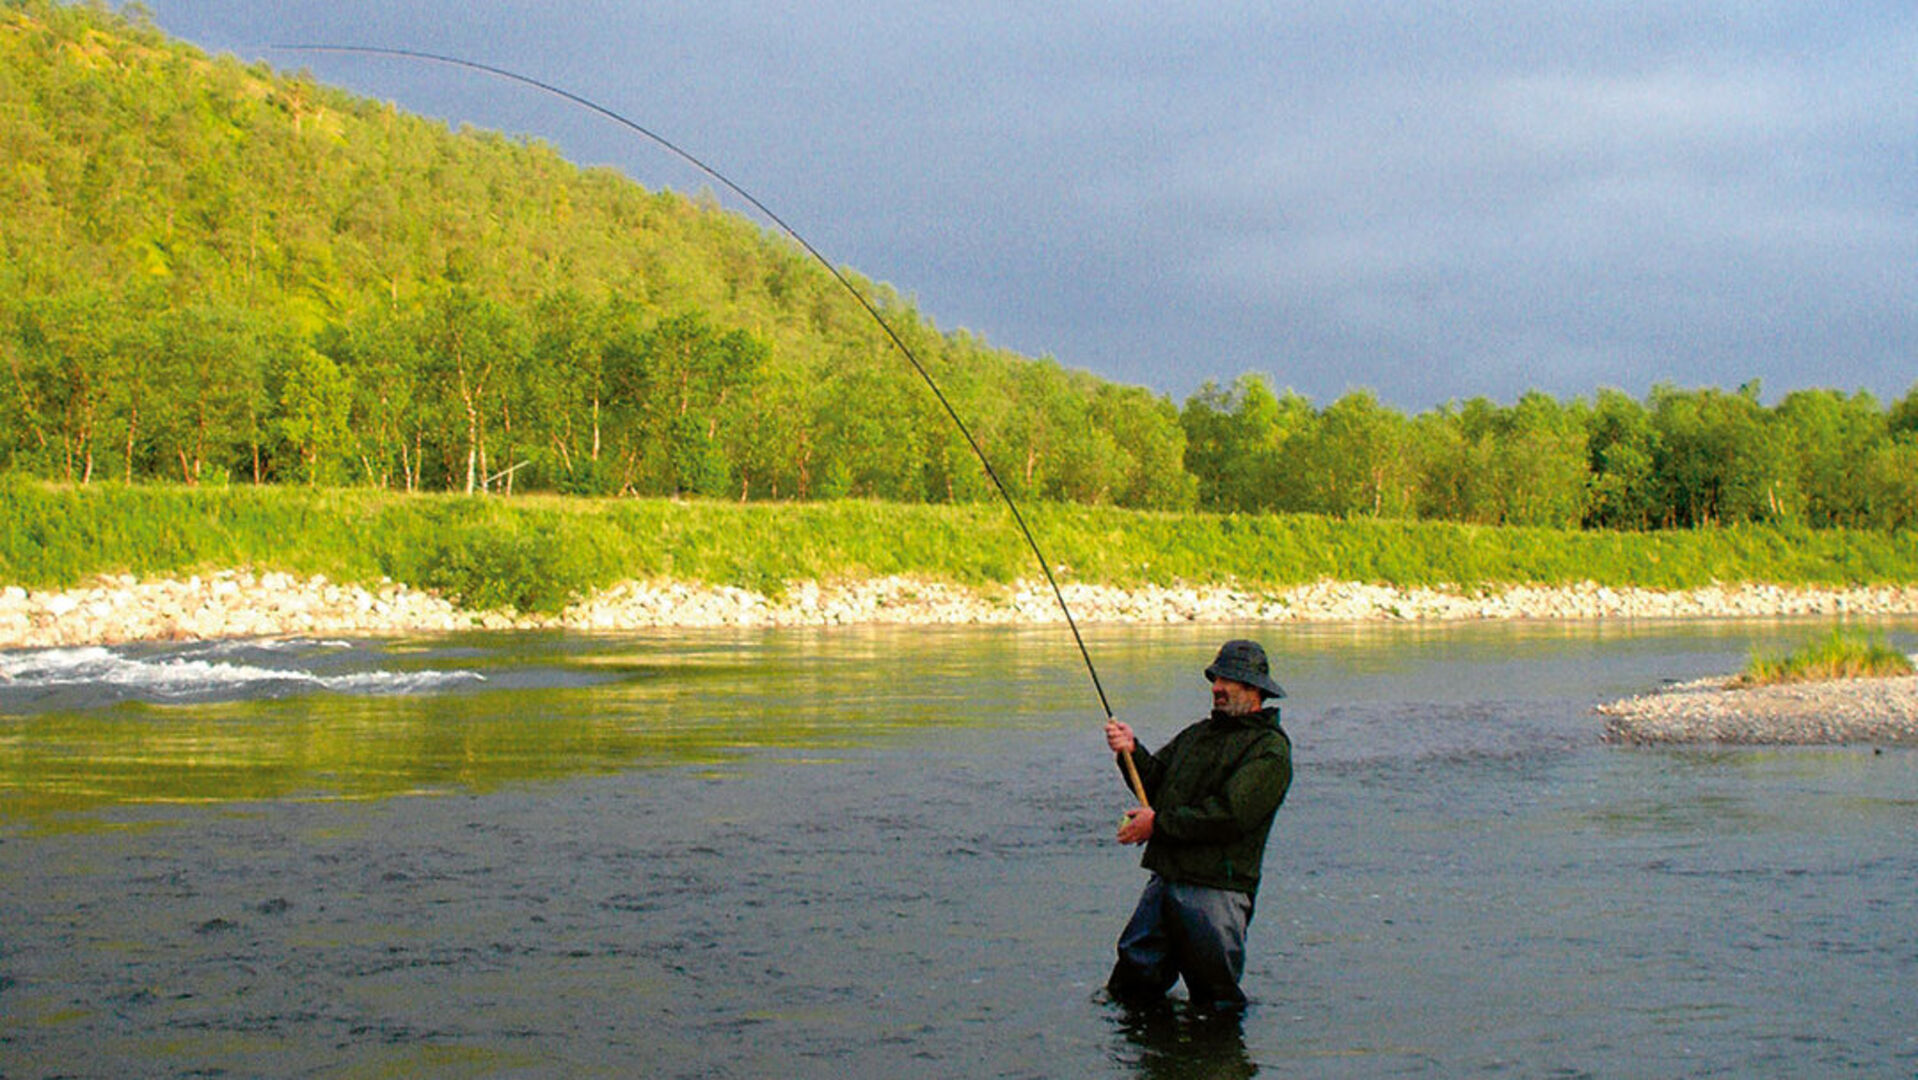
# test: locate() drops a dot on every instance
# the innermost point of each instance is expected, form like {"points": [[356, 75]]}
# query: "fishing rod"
{"points": [[1131, 770]]}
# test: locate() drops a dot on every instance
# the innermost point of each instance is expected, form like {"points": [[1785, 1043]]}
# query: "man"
{"points": [[1214, 790]]}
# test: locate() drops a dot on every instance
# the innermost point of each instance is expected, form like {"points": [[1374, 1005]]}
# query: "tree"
{"points": [[26, 429], [1358, 465], [690, 369], [620, 435], [1622, 450], [1242, 446], [569, 353], [468, 342], [1891, 483], [1903, 417], [1717, 461], [314, 402], [770, 434], [1541, 463], [377, 351], [208, 361], [1145, 426], [872, 443], [1454, 448], [66, 365], [1833, 438]]}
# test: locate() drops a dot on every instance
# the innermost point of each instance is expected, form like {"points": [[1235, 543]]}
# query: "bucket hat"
{"points": [[1244, 662]]}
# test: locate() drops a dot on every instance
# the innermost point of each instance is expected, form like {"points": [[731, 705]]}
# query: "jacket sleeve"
{"points": [[1249, 796]]}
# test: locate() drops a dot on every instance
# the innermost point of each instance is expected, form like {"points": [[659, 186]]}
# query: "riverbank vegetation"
{"points": [[216, 275], [1839, 654], [537, 553]]}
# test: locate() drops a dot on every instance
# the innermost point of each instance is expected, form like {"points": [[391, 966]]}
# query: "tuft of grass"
{"points": [[1837, 655]]}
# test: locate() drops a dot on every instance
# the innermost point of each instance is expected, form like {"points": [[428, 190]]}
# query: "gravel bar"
{"points": [[1834, 712]]}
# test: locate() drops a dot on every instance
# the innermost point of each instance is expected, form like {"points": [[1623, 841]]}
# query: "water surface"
{"points": [[886, 852]]}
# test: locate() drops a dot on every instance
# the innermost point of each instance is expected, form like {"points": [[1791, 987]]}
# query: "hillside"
{"points": [[217, 271]]}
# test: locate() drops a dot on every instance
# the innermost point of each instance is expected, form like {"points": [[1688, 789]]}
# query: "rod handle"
{"points": [[1132, 778]]}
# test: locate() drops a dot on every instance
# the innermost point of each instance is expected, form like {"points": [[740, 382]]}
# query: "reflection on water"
{"points": [[1168, 1042], [333, 720], [887, 852]]}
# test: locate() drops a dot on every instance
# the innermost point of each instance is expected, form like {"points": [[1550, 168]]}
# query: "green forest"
{"points": [[216, 273]]}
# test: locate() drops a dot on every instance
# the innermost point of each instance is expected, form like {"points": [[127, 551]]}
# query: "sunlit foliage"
{"points": [[213, 273]]}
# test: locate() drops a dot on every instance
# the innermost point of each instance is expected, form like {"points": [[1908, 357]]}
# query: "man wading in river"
{"points": [[1214, 790]]}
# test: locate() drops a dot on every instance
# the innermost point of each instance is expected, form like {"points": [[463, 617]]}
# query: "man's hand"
{"points": [[1137, 827], [1119, 737]]}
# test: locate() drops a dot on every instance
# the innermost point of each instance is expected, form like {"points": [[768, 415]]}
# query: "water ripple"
{"points": [[93, 676]]}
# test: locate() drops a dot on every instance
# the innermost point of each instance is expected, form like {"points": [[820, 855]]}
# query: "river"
{"points": [[880, 852]]}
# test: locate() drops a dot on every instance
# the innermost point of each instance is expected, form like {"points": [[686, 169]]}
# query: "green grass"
{"points": [[1838, 655], [535, 553]]}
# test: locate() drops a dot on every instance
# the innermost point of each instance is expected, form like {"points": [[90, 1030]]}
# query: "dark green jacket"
{"points": [[1214, 790]]}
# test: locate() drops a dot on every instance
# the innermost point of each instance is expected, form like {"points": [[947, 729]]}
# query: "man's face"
{"points": [[1235, 698]]}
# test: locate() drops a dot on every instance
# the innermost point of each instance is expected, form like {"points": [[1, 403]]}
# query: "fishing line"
{"points": [[898, 343]]}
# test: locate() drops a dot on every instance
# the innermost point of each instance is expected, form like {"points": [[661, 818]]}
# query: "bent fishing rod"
{"points": [[1131, 770]]}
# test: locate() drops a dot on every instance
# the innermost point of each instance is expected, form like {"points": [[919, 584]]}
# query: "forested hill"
{"points": [[218, 271], [215, 273]]}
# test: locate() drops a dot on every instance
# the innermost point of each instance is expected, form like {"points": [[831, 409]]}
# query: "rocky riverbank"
{"points": [[1872, 711], [243, 604]]}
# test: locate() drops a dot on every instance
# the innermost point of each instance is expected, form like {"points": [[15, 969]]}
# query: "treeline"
{"points": [[1679, 458], [458, 391], [212, 273]]}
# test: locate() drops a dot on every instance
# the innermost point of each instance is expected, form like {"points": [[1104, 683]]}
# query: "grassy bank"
{"points": [[535, 553]]}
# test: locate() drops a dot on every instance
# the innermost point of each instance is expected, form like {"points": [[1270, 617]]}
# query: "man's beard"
{"points": [[1234, 706]]}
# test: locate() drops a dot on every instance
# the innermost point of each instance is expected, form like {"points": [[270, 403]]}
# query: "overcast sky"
{"points": [[1435, 201]]}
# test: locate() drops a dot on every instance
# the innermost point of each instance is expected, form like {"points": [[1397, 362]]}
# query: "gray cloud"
{"points": [[1436, 201]]}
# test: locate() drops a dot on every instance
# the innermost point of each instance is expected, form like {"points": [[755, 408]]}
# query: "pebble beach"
{"points": [[243, 604]]}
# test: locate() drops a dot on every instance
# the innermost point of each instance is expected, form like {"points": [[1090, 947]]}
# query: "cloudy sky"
{"points": [[1435, 201]]}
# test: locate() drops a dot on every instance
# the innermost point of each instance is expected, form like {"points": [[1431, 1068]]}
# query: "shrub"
{"points": [[1838, 655], [503, 566]]}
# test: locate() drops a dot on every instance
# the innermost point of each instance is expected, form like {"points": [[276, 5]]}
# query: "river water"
{"points": [[882, 852]]}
